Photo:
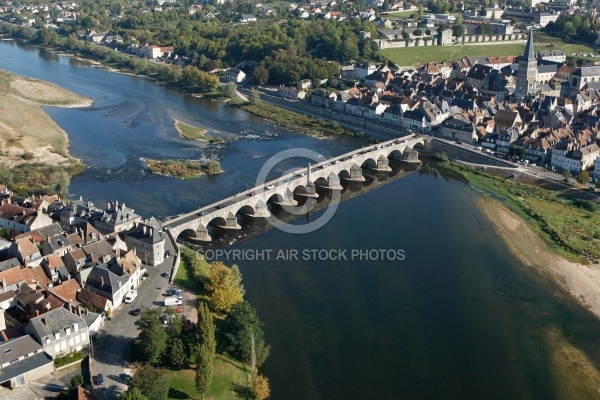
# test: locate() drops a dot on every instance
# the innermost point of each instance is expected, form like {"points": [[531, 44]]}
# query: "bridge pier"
{"points": [[356, 174], [288, 199], [230, 222], [311, 191], [261, 210], [382, 164], [333, 182], [202, 234], [410, 156]]}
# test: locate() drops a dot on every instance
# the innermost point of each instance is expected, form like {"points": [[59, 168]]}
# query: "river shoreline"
{"points": [[581, 281]]}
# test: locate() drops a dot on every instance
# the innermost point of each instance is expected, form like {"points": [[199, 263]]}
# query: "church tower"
{"points": [[527, 71]]}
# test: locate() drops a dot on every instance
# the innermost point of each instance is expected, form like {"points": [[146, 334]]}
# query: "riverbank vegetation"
{"points": [[190, 132], [297, 122], [216, 357], [571, 226], [183, 169]]}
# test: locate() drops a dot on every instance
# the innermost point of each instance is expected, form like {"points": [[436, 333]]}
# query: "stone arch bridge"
{"points": [[303, 182]]}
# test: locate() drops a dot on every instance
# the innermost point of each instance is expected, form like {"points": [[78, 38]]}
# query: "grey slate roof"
{"points": [[18, 347], [529, 53], [148, 230], [55, 321], [28, 364], [104, 282]]}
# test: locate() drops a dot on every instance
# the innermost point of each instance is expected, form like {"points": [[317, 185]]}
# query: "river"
{"points": [[457, 318]]}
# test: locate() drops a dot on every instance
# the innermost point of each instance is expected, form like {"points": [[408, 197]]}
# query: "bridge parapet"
{"points": [[281, 191]]}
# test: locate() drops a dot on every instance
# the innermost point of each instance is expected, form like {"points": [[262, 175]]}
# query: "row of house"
{"points": [[66, 266]]}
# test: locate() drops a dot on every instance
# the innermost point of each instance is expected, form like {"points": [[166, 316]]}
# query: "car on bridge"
{"points": [[270, 187]]}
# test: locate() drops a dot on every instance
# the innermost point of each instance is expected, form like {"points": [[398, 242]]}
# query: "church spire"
{"points": [[529, 54]]}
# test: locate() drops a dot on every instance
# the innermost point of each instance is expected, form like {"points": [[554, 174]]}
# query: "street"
{"points": [[108, 350]]}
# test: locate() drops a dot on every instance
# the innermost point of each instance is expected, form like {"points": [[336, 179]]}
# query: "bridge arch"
{"points": [[246, 210]]}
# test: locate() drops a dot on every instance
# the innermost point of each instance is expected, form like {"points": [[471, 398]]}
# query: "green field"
{"points": [[421, 55], [225, 373]]}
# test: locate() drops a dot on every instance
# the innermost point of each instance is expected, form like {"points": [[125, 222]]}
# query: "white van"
{"points": [[130, 296], [173, 301]]}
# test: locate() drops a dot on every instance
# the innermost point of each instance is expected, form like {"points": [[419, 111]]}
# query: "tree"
{"points": [[152, 382], [223, 286], [234, 336], [213, 167], [132, 394], [493, 18], [566, 174], [254, 96], [417, 32], [177, 353], [260, 75], [260, 387], [483, 11], [458, 30], [153, 337], [459, 19], [204, 369], [205, 329], [583, 177], [229, 90], [77, 380]]}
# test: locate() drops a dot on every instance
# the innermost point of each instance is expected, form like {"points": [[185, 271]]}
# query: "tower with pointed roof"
{"points": [[527, 71]]}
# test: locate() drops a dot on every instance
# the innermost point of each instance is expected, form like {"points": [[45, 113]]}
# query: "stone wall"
{"points": [[401, 43]]}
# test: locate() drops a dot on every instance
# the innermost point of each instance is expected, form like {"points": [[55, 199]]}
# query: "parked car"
{"points": [[166, 274], [100, 379], [270, 187], [137, 312]]}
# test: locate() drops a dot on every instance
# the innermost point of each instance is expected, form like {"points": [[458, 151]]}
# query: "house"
{"points": [[102, 281], [290, 93], [20, 219], [59, 331], [417, 120], [596, 173], [94, 302], [66, 293], [22, 361], [26, 251], [148, 240], [235, 75], [116, 218], [458, 129], [247, 18], [304, 84], [363, 68]]}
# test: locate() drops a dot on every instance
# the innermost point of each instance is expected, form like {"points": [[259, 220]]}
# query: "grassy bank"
{"points": [[190, 132], [570, 226], [226, 373], [297, 122]]}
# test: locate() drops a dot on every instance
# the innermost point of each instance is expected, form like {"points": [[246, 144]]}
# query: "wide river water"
{"points": [[458, 318]]}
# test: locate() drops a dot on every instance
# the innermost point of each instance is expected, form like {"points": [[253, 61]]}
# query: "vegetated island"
{"points": [[34, 151], [182, 169], [190, 132]]}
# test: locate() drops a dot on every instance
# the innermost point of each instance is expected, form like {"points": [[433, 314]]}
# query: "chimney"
{"points": [[102, 281], [116, 204], [37, 313], [144, 230], [25, 263], [4, 283], [45, 321], [150, 231], [123, 206]]}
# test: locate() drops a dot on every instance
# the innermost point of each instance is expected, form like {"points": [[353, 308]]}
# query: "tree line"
{"points": [[227, 324]]}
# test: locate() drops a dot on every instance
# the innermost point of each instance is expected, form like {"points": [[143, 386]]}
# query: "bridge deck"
{"points": [[297, 178]]}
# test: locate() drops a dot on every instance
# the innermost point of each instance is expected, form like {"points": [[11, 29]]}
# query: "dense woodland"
{"points": [[286, 47]]}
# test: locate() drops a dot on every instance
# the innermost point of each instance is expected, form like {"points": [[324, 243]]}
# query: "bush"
{"points": [[68, 359], [27, 156], [77, 380]]}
